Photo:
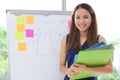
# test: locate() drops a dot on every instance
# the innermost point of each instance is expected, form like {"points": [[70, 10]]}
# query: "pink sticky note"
{"points": [[69, 23], [29, 33]]}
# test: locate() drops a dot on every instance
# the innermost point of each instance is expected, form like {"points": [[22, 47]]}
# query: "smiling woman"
{"points": [[107, 16], [82, 35]]}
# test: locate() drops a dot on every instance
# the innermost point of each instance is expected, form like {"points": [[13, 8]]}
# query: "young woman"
{"points": [[83, 34]]}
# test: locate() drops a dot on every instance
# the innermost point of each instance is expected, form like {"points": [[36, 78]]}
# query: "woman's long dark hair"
{"points": [[74, 34]]}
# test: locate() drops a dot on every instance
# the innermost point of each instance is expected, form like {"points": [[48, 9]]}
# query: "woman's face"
{"points": [[82, 19]]}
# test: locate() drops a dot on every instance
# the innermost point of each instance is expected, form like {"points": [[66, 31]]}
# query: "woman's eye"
{"points": [[77, 17], [86, 17]]}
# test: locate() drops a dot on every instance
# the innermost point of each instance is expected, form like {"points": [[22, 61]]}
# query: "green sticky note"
{"points": [[19, 35], [20, 20]]}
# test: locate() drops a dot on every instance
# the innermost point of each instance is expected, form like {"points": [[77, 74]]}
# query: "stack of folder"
{"points": [[97, 55]]}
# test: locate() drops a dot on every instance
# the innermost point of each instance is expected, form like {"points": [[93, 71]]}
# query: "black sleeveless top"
{"points": [[70, 59]]}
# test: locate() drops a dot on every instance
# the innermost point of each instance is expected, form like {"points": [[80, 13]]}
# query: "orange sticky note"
{"points": [[22, 46], [20, 27], [29, 19]]}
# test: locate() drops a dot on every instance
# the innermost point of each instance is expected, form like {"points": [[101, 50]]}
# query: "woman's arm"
{"points": [[102, 69], [99, 70], [63, 54], [67, 71], [96, 70]]}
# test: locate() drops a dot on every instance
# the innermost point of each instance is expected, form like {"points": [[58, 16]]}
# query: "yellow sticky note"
{"points": [[19, 35], [20, 27], [20, 20], [29, 19], [22, 46]]}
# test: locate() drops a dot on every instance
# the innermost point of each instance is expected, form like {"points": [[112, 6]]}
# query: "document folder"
{"points": [[92, 47], [93, 57]]}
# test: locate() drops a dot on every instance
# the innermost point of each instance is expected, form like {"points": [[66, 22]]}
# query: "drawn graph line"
{"points": [[43, 38]]}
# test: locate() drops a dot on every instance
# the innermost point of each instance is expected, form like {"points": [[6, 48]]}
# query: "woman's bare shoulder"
{"points": [[101, 39], [64, 39]]}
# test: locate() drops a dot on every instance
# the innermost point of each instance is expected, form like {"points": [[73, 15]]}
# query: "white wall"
{"points": [[27, 4]]}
